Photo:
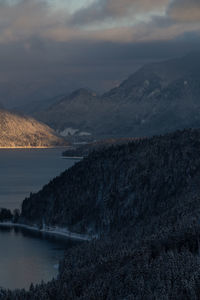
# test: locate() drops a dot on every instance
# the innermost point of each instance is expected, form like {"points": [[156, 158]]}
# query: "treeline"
{"points": [[7, 216], [85, 149], [143, 199], [118, 186]]}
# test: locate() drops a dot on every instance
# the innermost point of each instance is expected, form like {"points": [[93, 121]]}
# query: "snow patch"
{"points": [[56, 266], [72, 131], [84, 133], [52, 230], [68, 131]]}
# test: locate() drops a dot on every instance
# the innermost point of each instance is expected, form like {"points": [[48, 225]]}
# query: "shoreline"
{"points": [[35, 147], [51, 230], [72, 157]]}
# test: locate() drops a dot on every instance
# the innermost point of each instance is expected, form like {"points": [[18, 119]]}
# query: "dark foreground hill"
{"points": [[143, 200], [120, 186], [21, 131], [83, 150]]}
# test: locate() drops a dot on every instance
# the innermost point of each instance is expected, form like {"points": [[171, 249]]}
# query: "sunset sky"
{"points": [[49, 47]]}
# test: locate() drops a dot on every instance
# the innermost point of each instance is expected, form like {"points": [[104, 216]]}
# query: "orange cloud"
{"points": [[185, 10], [28, 19]]}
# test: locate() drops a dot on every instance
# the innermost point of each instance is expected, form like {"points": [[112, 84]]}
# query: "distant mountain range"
{"points": [[20, 131], [158, 98]]}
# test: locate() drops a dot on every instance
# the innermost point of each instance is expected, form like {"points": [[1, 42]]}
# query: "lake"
{"points": [[27, 256], [26, 170]]}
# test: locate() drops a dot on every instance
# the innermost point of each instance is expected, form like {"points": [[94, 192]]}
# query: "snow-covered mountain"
{"points": [[158, 98]]}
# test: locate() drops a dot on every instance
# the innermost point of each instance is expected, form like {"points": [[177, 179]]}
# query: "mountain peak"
{"points": [[157, 98], [82, 92]]}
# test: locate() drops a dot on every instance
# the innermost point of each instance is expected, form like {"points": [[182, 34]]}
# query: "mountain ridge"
{"points": [[124, 183], [165, 93], [17, 131]]}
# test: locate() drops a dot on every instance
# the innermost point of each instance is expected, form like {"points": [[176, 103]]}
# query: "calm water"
{"points": [[25, 171], [26, 256]]}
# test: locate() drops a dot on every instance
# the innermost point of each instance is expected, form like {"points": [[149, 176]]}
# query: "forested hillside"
{"points": [[21, 131], [83, 150], [143, 200], [123, 184]]}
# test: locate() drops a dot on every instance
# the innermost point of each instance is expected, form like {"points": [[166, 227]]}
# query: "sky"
{"points": [[51, 47]]}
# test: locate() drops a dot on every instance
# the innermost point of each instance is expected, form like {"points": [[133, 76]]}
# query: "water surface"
{"points": [[26, 170], [27, 256]]}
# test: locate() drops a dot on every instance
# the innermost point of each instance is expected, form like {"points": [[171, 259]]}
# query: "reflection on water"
{"points": [[29, 256]]}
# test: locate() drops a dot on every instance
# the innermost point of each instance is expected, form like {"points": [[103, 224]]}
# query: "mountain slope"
{"points": [[123, 185], [158, 98], [20, 131], [154, 77], [143, 198], [72, 114]]}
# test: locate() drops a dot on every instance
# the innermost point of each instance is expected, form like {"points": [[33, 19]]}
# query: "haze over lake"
{"points": [[27, 170]]}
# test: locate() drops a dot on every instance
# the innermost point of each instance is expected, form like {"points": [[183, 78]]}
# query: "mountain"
{"points": [[158, 98], [21, 131], [72, 114], [120, 186], [142, 200], [35, 106], [153, 78]]}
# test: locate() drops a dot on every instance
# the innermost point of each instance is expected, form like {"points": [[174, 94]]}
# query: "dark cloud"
{"points": [[115, 9], [50, 68], [44, 52]]}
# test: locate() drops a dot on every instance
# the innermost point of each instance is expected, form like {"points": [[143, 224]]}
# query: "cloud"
{"points": [[185, 10], [46, 50], [116, 20], [22, 19], [102, 10]]}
